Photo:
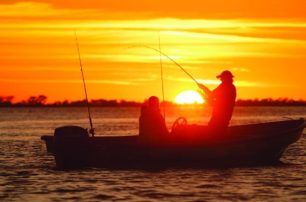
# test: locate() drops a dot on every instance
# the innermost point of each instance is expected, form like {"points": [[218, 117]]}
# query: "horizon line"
{"points": [[41, 100]]}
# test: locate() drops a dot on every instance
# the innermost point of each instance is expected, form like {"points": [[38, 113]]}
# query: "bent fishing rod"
{"points": [[160, 52], [92, 130]]}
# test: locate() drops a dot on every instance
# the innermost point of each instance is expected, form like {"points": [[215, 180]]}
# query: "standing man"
{"points": [[223, 100]]}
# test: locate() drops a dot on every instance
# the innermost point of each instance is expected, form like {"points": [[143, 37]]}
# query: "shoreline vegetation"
{"points": [[41, 101]]}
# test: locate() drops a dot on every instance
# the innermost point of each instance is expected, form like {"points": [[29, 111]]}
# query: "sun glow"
{"points": [[38, 53], [189, 97]]}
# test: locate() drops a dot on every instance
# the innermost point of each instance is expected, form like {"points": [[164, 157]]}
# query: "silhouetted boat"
{"points": [[253, 144]]}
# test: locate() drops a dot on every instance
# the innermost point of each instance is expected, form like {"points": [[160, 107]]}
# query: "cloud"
{"points": [[36, 9], [131, 9], [240, 69], [214, 82], [112, 82]]}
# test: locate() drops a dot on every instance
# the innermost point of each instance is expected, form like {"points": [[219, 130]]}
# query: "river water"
{"points": [[27, 173]]}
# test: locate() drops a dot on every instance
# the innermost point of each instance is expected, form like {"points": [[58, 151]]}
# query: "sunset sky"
{"points": [[262, 42]]}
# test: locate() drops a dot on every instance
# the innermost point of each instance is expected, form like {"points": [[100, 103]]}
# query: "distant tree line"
{"points": [[35, 101], [41, 101], [270, 102]]}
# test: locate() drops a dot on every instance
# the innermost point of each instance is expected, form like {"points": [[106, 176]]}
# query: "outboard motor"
{"points": [[71, 147]]}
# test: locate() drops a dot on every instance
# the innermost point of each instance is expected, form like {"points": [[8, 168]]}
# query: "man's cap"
{"points": [[225, 74]]}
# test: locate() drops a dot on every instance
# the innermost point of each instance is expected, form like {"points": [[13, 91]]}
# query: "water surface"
{"points": [[27, 173]]}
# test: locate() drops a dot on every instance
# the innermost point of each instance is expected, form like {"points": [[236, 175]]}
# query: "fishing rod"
{"points": [[162, 75], [160, 52], [92, 130]]}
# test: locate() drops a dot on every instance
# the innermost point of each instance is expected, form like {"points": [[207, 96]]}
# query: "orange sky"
{"points": [[263, 43]]}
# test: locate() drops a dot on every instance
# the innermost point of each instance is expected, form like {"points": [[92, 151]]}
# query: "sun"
{"points": [[189, 97]]}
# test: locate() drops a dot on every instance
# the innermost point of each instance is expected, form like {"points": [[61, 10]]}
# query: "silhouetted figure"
{"points": [[223, 100], [151, 123]]}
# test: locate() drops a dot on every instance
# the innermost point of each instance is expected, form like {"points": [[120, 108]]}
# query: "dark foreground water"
{"points": [[27, 173]]}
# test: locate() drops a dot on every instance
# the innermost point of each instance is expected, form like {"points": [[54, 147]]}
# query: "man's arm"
{"points": [[205, 89]]}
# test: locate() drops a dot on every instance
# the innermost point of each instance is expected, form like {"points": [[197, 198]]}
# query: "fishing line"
{"points": [[87, 103], [145, 46]]}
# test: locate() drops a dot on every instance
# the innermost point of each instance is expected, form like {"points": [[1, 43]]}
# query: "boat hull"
{"points": [[190, 146]]}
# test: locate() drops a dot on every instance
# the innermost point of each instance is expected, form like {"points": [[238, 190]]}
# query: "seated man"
{"points": [[151, 123]]}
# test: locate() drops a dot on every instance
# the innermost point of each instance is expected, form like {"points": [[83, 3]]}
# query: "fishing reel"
{"points": [[91, 131]]}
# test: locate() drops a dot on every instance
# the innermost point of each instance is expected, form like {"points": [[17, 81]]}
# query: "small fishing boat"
{"points": [[185, 146]]}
